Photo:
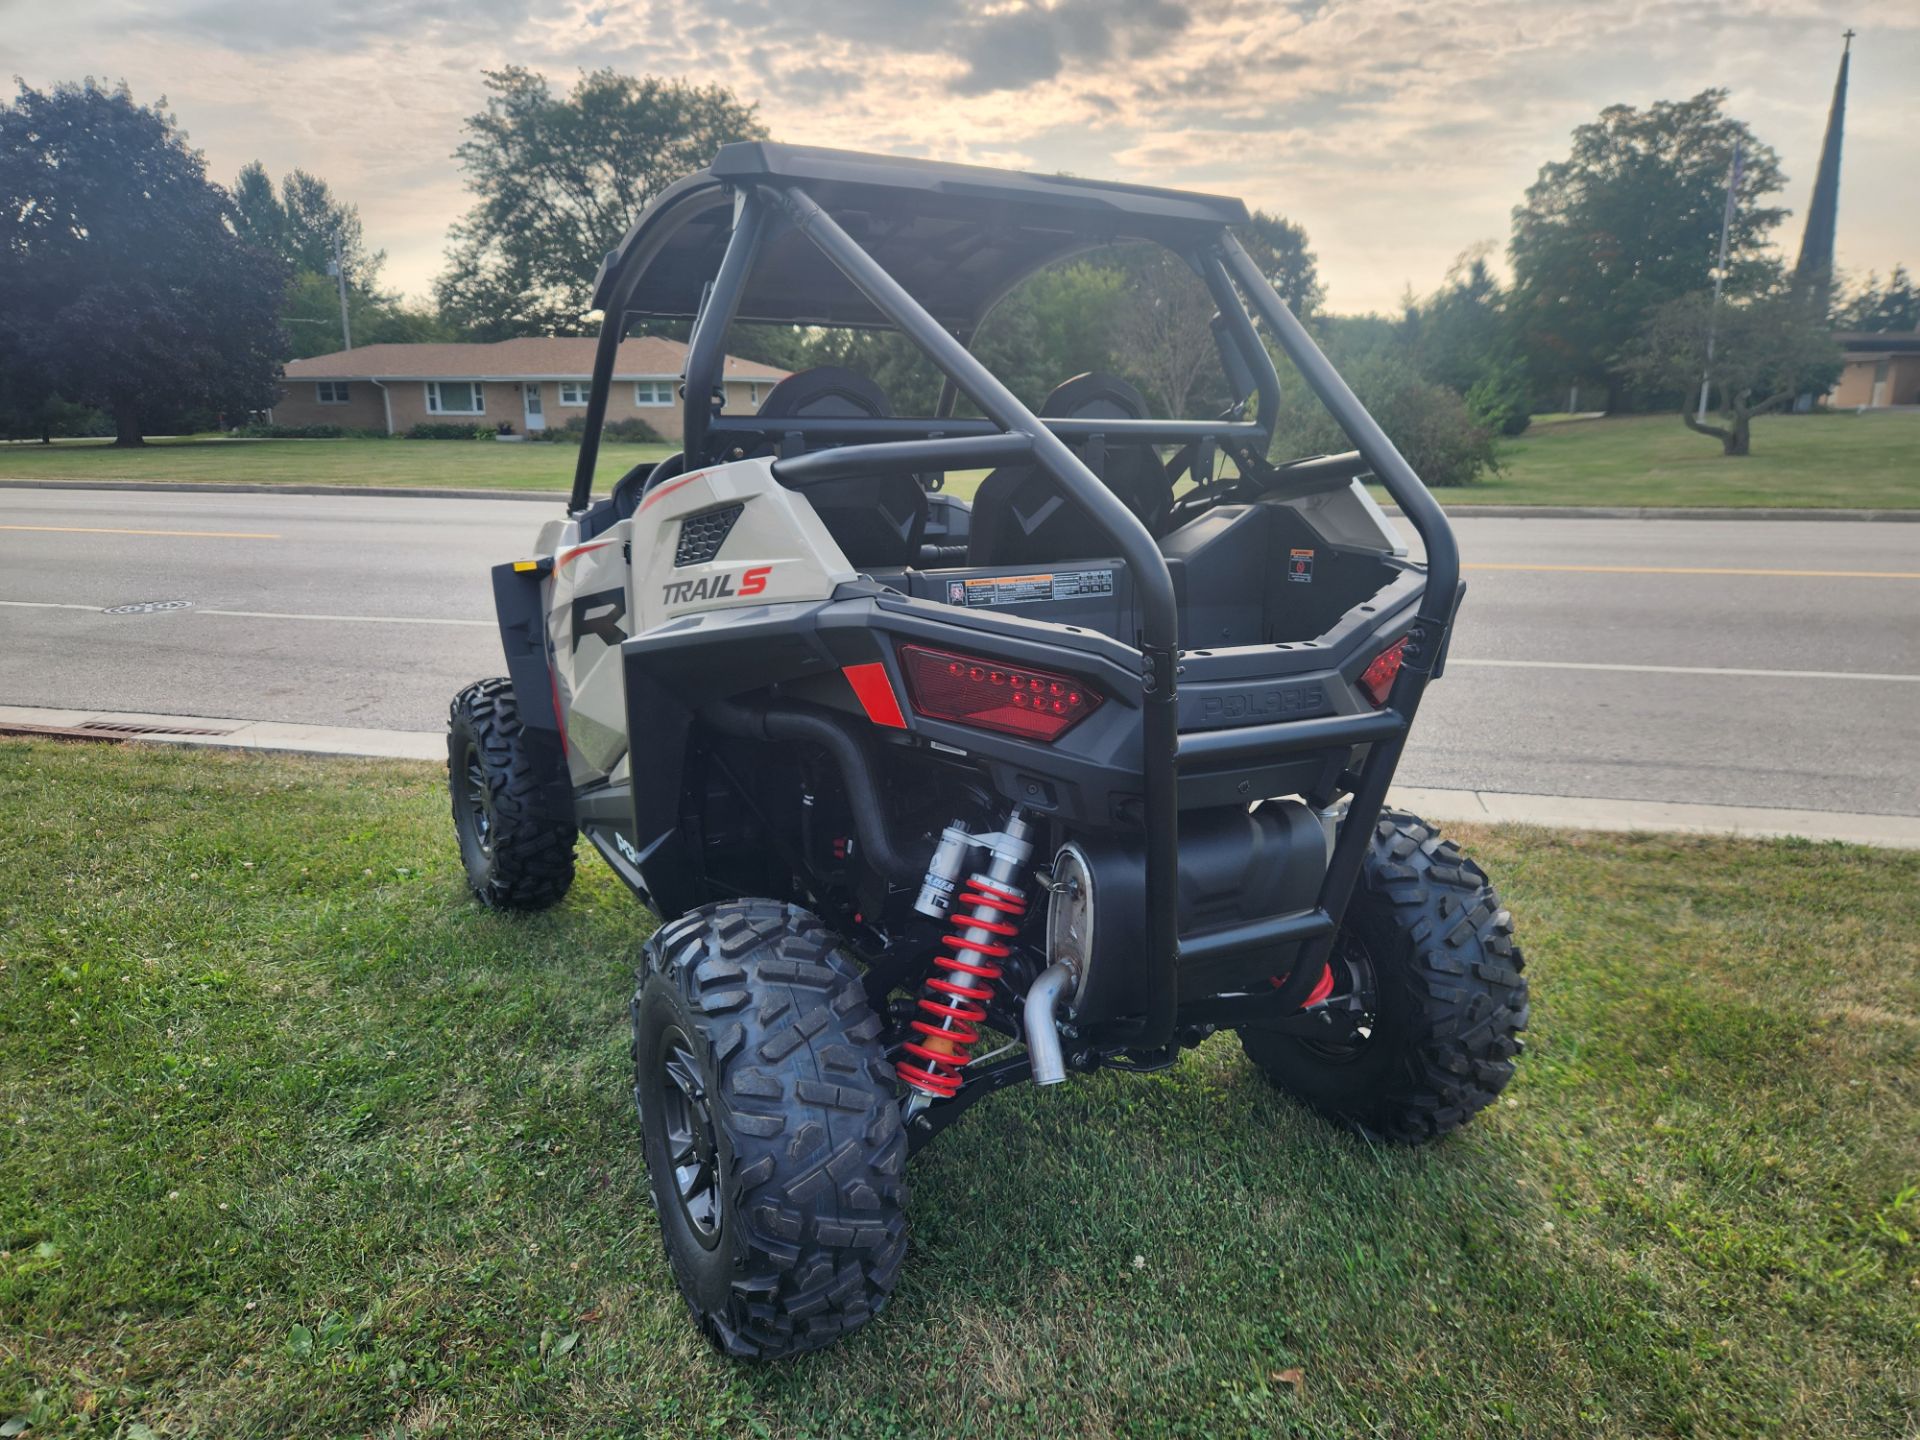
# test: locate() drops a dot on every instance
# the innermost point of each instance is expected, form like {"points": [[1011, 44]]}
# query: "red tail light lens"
{"points": [[1377, 679], [994, 695]]}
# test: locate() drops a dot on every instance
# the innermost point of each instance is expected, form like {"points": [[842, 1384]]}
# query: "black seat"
{"points": [[1021, 516], [875, 520], [624, 498]]}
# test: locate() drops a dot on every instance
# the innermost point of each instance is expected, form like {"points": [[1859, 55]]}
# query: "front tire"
{"points": [[512, 806], [771, 1127], [1429, 951]]}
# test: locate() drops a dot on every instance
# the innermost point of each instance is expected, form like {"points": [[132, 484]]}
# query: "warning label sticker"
{"points": [[1300, 567], [1029, 589]]}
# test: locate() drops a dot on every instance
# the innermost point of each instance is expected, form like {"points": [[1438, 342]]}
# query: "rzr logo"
{"points": [[599, 614], [716, 587]]}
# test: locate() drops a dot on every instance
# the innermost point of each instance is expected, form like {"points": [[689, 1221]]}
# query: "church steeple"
{"points": [[1813, 274]]}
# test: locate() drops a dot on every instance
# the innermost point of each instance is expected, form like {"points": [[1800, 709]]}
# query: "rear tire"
{"points": [[771, 1127], [1426, 938], [512, 805]]}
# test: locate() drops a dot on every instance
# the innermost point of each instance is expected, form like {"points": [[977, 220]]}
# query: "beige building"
{"points": [[1882, 370], [529, 384]]}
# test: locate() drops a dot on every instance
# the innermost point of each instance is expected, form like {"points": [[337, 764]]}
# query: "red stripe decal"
{"points": [[668, 488], [875, 693], [580, 550]]}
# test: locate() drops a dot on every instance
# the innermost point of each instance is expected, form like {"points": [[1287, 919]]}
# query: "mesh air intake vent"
{"points": [[701, 536]]}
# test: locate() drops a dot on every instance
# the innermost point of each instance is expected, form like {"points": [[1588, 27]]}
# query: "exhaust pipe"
{"points": [[1042, 1032]]}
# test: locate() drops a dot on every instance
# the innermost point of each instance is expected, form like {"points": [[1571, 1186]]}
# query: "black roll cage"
{"points": [[1009, 430]]}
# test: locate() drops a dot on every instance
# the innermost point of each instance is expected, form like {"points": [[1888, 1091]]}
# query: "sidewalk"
{"points": [[1479, 807]]}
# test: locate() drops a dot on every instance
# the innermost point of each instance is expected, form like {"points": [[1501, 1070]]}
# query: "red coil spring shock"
{"points": [[984, 916]]}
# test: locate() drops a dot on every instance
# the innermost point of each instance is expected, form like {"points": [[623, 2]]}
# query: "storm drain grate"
{"points": [[106, 732], [134, 727]]}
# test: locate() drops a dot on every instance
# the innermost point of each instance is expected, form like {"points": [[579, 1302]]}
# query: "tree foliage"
{"points": [[127, 284], [1765, 352], [1881, 309], [1631, 220], [1428, 423], [299, 222], [1461, 336], [559, 179]]}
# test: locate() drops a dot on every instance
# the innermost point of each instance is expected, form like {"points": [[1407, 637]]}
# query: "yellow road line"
{"points": [[178, 534], [1703, 570]]}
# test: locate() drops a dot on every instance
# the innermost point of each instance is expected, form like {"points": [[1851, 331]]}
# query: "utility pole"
{"points": [[1719, 279], [339, 273]]}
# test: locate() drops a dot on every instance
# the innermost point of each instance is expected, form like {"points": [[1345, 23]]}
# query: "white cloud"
{"points": [[1398, 133]]}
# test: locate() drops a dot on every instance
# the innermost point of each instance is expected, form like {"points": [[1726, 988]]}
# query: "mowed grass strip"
{"points": [[435, 464], [294, 1140], [1799, 461], [1842, 460]]}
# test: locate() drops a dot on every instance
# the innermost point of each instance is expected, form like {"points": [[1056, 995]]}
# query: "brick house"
{"points": [[529, 384], [1882, 371]]}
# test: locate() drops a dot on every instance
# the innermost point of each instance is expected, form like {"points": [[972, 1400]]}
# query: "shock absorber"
{"points": [[983, 915]]}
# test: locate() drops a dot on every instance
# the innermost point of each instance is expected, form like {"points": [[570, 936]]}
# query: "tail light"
{"points": [[1377, 679], [994, 695]]}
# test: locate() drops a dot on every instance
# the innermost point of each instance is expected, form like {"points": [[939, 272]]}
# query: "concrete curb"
{"points": [[1478, 807], [552, 497]]}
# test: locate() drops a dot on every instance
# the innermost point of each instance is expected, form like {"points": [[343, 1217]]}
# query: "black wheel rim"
{"points": [[479, 801], [693, 1152], [1354, 1003]]}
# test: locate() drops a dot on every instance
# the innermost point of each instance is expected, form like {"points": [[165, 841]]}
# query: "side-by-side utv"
{"points": [[935, 797]]}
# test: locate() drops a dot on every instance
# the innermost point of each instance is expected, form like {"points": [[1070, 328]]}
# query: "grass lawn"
{"points": [[1847, 460], [457, 464], [294, 1140], [1844, 460]]}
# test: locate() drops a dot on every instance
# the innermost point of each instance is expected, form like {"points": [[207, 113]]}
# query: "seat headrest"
{"points": [[1094, 396], [827, 390]]}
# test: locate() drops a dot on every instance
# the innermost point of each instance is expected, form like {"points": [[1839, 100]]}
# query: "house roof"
{"points": [[647, 357], [1878, 344]]}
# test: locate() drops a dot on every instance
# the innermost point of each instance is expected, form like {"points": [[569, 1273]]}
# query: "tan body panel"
{"points": [[776, 551]]}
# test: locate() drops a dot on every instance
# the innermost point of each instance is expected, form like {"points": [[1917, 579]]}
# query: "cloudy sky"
{"points": [[1399, 132]]}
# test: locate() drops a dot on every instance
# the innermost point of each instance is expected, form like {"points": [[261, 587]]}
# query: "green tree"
{"points": [[559, 179], [1629, 221], [1461, 336], [1279, 248], [1055, 324], [128, 285], [1765, 352], [1879, 309], [300, 222]]}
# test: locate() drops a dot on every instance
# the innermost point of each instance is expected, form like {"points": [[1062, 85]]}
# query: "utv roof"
{"points": [[957, 237]]}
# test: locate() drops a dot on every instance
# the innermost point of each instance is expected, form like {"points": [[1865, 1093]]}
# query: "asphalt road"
{"points": [[1719, 662]]}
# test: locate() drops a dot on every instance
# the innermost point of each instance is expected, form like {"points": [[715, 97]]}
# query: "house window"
{"points": [[573, 394], [455, 397], [753, 394], [653, 392], [331, 392]]}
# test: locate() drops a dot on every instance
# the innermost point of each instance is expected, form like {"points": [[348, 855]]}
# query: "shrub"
{"points": [[308, 432], [1499, 398], [448, 430], [633, 431], [1429, 423]]}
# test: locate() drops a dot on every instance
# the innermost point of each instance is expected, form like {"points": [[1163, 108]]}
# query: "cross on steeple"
{"points": [[1848, 37]]}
